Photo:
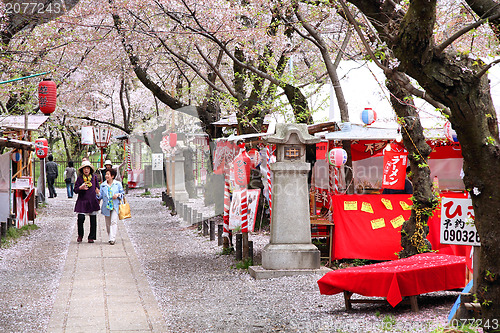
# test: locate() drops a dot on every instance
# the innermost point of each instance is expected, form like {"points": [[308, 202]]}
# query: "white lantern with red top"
{"points": [[337, 157], [102, 135]]}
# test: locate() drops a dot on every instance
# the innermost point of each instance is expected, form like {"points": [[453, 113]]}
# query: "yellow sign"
{"points": [[404, 205], [378, 223], [350, 205], [366, 207], [387, 203], [398, 221]]}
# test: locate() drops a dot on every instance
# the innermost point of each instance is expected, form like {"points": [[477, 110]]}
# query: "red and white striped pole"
{"points": [[269, 180], [244, 210], [227, 203], [336, 172]]}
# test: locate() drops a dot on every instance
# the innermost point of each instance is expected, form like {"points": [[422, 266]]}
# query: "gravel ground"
{"points": [[198, 289]]}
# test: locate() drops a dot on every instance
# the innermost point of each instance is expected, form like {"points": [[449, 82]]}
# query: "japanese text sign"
{"points": [[242, 169], [157, 162], [457, 222], [394, 170]]}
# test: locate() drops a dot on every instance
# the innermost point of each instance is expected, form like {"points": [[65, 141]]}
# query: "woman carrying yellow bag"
{"points": [[111, 191], [124, 210]]}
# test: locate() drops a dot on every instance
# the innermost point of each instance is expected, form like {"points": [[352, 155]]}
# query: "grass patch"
{"points": [[244, 264], [13, 234], [227, 251]]}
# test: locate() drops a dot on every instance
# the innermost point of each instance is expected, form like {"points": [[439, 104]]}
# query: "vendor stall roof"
{"points": [[244, 137], [12, 143], [232, 121], [358, 132], [18, 122]]}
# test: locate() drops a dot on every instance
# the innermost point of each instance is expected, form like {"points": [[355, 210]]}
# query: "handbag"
{"points": [[68, 180], [124, 210]]}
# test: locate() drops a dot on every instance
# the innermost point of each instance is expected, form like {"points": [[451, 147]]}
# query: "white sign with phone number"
{"points": [[457, 222]]}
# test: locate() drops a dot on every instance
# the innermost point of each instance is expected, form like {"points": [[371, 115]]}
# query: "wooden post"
{"points": [[250, 251], [212, 230], [220, 228], [238, 250], [244, 245], [205, 227]]}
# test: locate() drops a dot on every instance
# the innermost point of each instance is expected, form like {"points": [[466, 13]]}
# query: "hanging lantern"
{"points": [[337, 157], [242, 169], [41, 148], [16, 155], [172, 139], [102, 135], [450, 133], [255, 158], [368, 116], [47, 93]]}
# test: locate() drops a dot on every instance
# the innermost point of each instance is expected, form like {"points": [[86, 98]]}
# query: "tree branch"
{"points": [[396, 75], [141, 73], [440, 48], [486, 68], [105, 123]]}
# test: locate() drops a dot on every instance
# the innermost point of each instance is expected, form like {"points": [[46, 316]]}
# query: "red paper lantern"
{"points": [[41, 148], [242, 164], [337, 157], [47, 93], [172, 139]]}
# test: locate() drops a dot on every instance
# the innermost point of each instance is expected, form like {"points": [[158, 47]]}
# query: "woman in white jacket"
{"points": [[111, 191]]}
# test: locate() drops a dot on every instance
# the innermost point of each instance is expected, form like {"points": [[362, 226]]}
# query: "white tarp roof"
{"points": [[18, 122], [358, 132]]}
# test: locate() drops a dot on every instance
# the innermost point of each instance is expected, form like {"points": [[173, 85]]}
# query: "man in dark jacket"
{"points": [[51, 169]]}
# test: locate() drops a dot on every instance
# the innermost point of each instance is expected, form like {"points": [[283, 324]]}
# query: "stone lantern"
{"points": [[290, 250]]}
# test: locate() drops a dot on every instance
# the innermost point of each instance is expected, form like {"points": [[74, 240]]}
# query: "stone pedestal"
{"points": [[290, 244], [290, 250], [180, 188]]}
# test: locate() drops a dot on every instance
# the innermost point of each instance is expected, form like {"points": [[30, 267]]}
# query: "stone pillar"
{"points": [[290, 246], [180, 187]]}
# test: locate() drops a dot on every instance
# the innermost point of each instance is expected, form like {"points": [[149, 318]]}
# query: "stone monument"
{"points": [[290, 250], [181, 194]]}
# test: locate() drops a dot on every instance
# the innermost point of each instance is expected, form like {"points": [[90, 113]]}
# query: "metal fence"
{"points": [[62, 165]]}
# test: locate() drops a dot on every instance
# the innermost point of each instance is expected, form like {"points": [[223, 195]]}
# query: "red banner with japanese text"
{"points": [[394, 170]]}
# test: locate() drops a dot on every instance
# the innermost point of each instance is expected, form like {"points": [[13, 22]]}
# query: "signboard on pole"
{"points": [[157, 162], [87, 135], [457, 222]]}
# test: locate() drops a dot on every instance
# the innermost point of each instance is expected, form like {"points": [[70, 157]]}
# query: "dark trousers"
{"points": [[93, 226], [50, 185]]}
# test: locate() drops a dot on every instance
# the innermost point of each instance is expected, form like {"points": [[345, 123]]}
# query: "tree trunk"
{"points": [[460, 83], [415, 229]]}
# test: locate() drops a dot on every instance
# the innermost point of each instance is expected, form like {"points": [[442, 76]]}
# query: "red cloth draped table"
{"points": [[419, 274]]}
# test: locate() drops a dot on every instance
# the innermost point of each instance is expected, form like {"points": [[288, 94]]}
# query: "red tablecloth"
{"points": [[421, 273]]}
